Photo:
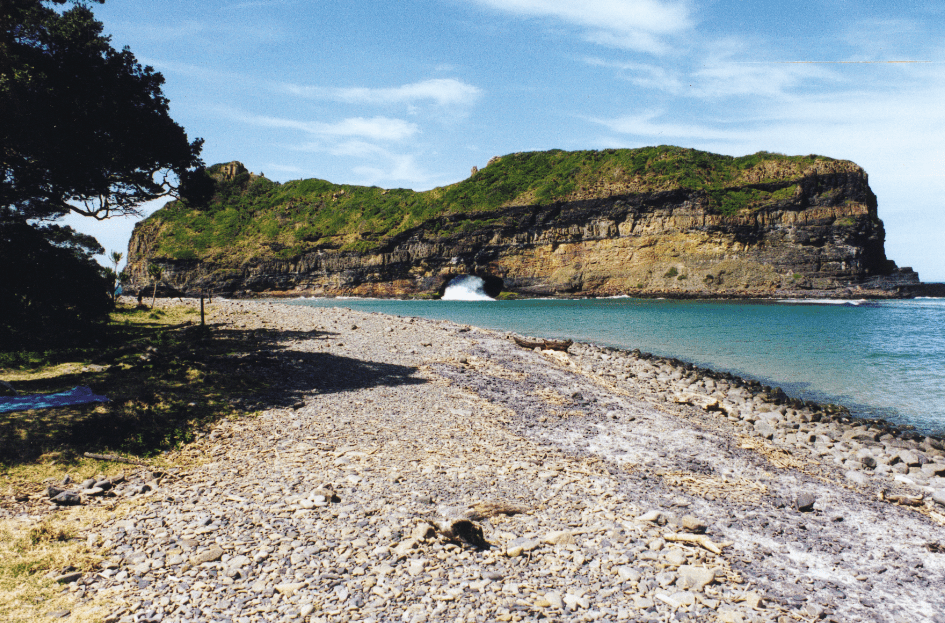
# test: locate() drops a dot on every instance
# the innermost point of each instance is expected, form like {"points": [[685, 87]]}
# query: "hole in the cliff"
{"points": [[472, 288]]}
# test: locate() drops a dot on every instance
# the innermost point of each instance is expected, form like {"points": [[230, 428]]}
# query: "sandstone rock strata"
{"points": [[821, 235]]}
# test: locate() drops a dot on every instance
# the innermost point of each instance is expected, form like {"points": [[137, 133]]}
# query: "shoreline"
{"points": [[612, 466], [937, 290]]}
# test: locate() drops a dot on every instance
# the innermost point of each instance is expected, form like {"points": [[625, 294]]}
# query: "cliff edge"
{"points": [[656, 221]]}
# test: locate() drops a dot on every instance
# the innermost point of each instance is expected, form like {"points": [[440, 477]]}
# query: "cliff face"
{"points": [[812, 226]]}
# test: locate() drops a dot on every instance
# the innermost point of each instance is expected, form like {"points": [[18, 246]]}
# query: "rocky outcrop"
{"points": [[821, 235]]}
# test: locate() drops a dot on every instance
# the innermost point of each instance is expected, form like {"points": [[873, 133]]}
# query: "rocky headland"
{"points": [[661, 221], [421, 470]]}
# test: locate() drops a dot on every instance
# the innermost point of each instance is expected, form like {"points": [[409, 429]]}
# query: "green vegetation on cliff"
{"points": [[248, 214]]}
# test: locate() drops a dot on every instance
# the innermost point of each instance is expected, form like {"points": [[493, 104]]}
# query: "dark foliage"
{"points": [[85, 127], [51, 291]]}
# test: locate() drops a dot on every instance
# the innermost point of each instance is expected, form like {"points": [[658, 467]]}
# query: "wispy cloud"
{"points": [[375, 128], [631, 24], [648, 124], [441, 91], [642, 74], [255, 4]]}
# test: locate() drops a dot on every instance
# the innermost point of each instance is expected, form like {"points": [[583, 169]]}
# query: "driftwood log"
{"points": [[698, 539], [458, 523], [562, 345], [902, 500]]}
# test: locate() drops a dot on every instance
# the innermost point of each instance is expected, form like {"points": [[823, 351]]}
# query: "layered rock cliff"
{"points": [[652, 221]]}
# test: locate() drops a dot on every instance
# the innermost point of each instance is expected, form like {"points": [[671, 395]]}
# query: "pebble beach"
{"points": [[418, 470]]}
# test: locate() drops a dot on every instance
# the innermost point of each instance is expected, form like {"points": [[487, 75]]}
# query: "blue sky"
{"points": [[414, 93]]}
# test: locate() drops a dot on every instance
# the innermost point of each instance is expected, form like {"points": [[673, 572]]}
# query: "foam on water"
{"points": [[466, 288], [851, 302]]}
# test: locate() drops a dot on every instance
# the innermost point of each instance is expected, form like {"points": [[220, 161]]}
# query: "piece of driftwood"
{"points": [[562, 345], [113, 457], [485, 510], [903, 500], [454, 523], [698, 539]]}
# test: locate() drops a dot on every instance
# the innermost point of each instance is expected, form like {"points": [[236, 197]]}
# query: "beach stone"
{"points": [[693, 524], [642, 603], [423, 531], [764, 429], [290, 588], [514, 550], [654, 516], [678, 600], [211, 555], [554, 600], [805, 502], [931, 470], [52, 490], [67, 498], [628, 574], [939, 497], [814, 611], [68, 577], [573, 602], [857, 478], [909, 457], [559, 537], [405, 547], [694, 578], [675, 557]]}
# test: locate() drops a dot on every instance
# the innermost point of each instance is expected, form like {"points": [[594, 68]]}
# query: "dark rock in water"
{"points": [[805, 502]]}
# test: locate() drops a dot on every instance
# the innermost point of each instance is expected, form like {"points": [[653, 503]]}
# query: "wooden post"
{"points": [[201, 310]]}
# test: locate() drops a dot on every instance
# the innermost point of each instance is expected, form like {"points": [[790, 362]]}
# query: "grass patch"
{"points": [[164, 380], [251, 216], [33, 554]]}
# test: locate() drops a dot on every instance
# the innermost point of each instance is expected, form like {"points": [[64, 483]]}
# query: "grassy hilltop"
{"points": [[248, 215]]}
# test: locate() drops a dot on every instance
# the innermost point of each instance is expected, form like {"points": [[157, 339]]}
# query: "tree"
{"points": [[83, 127], [155, 272], [116, 276], [50, 293]]}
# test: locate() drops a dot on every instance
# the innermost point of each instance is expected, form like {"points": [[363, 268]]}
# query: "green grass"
{"points": [[248, 216]]}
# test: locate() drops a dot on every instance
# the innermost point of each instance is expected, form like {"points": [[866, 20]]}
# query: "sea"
{"points": [[881, 359]]}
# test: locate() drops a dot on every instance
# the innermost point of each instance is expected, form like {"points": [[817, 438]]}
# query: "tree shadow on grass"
{"points": [[164, 383]]}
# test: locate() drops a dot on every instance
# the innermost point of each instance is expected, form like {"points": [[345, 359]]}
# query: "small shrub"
{"points": [[672, 272]]}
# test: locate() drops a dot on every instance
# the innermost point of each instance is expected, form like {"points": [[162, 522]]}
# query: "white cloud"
{"points": [[401, 168], [376, 128], [631, 24], [441, 91], [642, 74], [647, 125]]}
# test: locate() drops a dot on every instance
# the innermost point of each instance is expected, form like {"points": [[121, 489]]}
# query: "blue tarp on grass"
{"points": [[75, 396]]}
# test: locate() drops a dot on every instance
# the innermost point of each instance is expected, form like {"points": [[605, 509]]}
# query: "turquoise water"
{"points": [[881, 359]]}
